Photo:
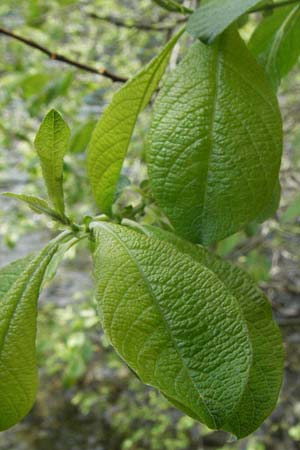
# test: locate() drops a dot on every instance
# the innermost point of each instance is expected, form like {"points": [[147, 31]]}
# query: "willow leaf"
{"points": [[214, 16], [51, 143], [20, 284], [276, 42], [112, 134], [38, 205], [215, 142], [182, 328], [265, 376]]}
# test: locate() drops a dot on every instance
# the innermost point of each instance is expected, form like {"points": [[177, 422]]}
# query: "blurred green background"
{"points": [[88, 399]]}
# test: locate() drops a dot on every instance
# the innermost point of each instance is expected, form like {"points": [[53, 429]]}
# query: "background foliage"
{"points": [[88, 399]]}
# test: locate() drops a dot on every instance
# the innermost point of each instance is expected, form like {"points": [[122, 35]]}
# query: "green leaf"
{"points": [[215, 141], [51, 143], [214, 16], [201, 336], [37, 204], [55, 262], [276, 42], [10, 273], [20, 286], [81, 138], [111, 137], [265, 376], [272, 206], [171, 5]]}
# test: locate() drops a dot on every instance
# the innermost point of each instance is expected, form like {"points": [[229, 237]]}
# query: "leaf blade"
{"points": [[51, 143], [38, 205], [265, 378], [215, 142], [171, 342], [275, 42], [106, 151], [20, 286], [213, 17]]}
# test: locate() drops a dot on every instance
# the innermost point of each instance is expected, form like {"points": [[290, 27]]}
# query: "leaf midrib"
{"points": [[216, 71], [148, 286]]}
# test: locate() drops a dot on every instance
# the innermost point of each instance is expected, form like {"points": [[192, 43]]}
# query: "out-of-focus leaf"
{"points": [[292, 212], [276, 42], [214, 16], [81, 137], [173, 6]]}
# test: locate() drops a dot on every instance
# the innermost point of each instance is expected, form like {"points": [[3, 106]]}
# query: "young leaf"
{"points": [[265, 376], [111, 137], [37, 204], [20, 284], [182, 328], [276, 42], [171, 5], [214, 16], [215, 141], [51, 143]]}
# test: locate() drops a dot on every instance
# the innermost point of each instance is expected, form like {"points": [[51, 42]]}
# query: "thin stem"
{"points": [[118, 22], [272, 6], [58, 57]]}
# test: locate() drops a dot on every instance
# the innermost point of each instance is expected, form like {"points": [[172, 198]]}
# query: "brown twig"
{"points": [[58, 57], [135, 25]]}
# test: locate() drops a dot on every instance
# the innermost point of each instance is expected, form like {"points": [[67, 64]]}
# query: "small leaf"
{"points": [[214, 16], [173, 6], [111, 137], [190, 325], [20, 286], [215, 142], [37, 204], [51, 143], [265, 377], [53, 265], [276, 42]]}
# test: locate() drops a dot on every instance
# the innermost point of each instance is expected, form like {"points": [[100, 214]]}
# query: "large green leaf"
{"points": [[215, 141], [111, 137], [20, 284], [185, 329], [276, 42], [51, 143], [171, 5], [265, 376], [214, 16]]}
